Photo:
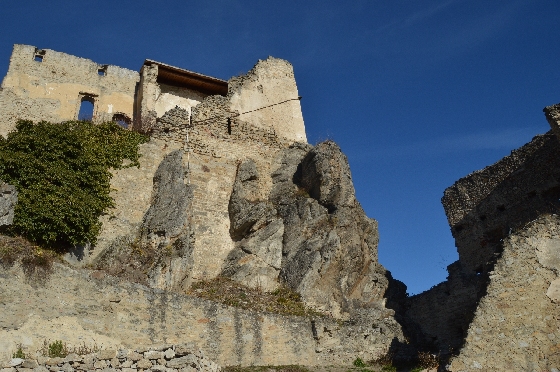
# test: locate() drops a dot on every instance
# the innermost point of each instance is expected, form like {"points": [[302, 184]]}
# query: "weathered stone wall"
{"points": [[490, 211], [170, 358], [516, 326], [489, 204], [268, 97], [51, 87], [264, 101], [78, 306]]}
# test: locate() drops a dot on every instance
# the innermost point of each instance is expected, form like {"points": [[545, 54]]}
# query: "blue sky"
{"points": [[417, 93]]}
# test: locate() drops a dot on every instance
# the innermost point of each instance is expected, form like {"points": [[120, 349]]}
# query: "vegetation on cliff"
{"points": [[61, 172]]}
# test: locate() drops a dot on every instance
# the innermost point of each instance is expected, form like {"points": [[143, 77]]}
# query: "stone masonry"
{"points": [[163, 358], [83, 306], [42, 84]]}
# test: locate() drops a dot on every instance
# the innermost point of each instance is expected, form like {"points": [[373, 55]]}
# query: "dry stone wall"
{"points": [[161, 358]]}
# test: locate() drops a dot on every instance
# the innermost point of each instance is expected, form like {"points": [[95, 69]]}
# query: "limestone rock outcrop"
{"points": [[310, 234], [161, 255], [8, 201]]}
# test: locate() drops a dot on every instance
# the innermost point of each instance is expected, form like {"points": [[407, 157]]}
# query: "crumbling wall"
{"points": [[42, 84], [486, 206], [268, 96], [483, 209], [517, 324]]}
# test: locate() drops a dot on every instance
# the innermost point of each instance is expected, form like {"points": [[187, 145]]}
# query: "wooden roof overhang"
{"points": [[179, 77]]}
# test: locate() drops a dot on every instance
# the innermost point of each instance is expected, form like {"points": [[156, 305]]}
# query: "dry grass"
{"points": [[35, 261], [224, 290]]}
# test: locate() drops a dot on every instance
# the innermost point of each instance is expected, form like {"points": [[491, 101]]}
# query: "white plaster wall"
{"points": [[169, 96]]}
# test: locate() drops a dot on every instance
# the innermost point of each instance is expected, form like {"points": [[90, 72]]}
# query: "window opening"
{"points": [[122, 120], [86, 109], [102, 71], [39, 55]]}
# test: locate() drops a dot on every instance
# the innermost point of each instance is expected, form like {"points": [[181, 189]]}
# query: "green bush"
{"points": [[19, 353], [61, 172], [358, 362], [57, 349]]}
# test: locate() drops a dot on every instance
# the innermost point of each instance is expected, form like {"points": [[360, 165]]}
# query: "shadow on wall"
{"points": [[438, 320]]}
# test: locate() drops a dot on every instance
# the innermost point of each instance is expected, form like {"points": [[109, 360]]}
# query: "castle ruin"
{"points": [[260, 205]]}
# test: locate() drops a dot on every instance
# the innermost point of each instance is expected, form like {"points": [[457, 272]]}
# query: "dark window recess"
{"points": [[102, 71], [122, 120], [229, 126], [39, 55], [86, 109]]}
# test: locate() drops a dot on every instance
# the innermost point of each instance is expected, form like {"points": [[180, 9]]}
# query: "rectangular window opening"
{"points": [[39, 55], [102, 71]]}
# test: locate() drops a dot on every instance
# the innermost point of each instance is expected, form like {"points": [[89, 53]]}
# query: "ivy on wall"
{"points": [[62, 174]]}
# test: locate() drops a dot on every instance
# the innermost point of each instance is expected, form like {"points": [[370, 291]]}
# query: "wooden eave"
{"points": [[179, 77]]}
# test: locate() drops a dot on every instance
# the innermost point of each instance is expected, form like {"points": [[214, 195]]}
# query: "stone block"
{"points": [[106, 354], [134, 356], [144, 364], [189, 359], [15, 362], [54, 361], [169, 354], [100, 364], [153, 355], [29, 363], [122, 353], [66, 367]]}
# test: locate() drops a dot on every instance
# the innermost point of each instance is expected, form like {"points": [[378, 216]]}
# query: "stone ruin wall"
{"points": [[498, 217], [52, 88], [219, 140], [79, 306], [516, 326], [42, 84]]}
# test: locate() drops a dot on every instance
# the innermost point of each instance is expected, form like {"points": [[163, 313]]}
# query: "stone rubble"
{"points": [[161, 358]]}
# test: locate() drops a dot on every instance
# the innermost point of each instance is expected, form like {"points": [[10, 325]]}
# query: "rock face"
{"points": [[310, 234], [8, 201], [164, 246]]}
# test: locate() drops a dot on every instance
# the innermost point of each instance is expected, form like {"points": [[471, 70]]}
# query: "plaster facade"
{"points": [[42, 84]]}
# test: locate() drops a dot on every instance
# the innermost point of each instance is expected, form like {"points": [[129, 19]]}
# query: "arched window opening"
{"points": [[122, 120], [86, 109]]}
